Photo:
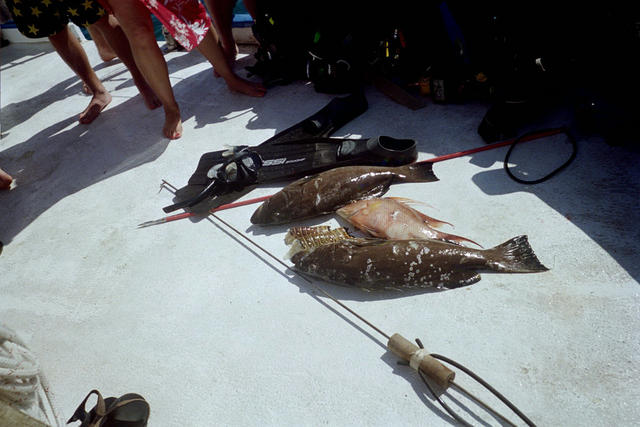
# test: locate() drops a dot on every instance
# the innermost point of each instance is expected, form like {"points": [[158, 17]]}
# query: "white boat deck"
{"points": [[211, 331]]}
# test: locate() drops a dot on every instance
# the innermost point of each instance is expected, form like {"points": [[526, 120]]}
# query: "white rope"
{"points": [[21, 382]]}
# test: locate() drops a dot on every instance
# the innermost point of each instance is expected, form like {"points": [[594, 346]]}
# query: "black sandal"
{"points": [[129, 410]]}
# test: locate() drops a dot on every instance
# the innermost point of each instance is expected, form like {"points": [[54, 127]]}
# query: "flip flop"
{"points": [[129, 410]]}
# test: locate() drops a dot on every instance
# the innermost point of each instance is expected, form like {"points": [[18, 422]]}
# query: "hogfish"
{"points": [[379, 264], [392, 218], [327, 191]]}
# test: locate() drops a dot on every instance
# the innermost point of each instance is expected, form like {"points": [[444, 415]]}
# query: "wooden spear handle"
{"points": [[420, 359]]}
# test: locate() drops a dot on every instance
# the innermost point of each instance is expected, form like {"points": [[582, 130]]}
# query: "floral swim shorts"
{"points": [[186, 20]]}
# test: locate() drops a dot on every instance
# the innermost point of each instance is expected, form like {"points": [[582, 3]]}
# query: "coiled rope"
{"points": [[21, 383]]}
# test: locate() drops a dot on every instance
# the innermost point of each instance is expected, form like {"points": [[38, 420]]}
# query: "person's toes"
{"points": [[97, 104], [90, 114], [256, 90], [260, 89], [5, 180], [246, 87], [172, 134], [172, 129]]}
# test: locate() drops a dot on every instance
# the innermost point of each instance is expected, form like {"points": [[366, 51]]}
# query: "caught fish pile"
{"points": [[415, 263], [327, 191], [405, 251]]}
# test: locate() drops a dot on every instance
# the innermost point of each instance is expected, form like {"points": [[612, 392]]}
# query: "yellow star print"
{"points": [[100, 12], [16, 11], [73, 12], [46, 2], [35, 11], [33, 30], [88, 4]]}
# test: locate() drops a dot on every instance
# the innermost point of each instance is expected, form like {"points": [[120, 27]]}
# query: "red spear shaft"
{"points": [[190, 214], [541, 134]]}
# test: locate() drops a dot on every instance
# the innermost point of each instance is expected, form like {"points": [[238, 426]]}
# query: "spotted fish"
{"points": [[379, 264], [327, 191]]}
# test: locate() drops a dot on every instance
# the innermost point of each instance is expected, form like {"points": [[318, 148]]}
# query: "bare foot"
{"points": [[230, 54], [246, 87], [96, 105], [5, 180], [86, 89], [172, 125], [150, 99], [106, 53]]}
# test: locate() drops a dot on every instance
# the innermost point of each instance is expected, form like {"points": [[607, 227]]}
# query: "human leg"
{"points": [[136, 23], [252, 7], [222, 13], [109, 29], [36, 19], [104, 49], [210, 49], [190, 25], [71, 51]]}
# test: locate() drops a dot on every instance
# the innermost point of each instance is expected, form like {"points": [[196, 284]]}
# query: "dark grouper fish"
{"points": [[379, 264], [327, 191]]}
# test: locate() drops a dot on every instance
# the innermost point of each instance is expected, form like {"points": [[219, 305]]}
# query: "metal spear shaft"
{"points": [[418, 358]]}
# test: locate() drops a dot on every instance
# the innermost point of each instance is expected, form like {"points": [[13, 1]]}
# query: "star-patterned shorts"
{"points": [[44, 18]]}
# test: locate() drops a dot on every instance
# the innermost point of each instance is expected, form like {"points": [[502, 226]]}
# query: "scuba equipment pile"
{"points": [[310, 43]]}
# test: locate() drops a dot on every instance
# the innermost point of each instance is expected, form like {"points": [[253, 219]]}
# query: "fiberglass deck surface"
{"points": [[213, 332]]}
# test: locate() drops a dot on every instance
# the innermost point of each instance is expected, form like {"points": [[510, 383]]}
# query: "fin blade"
{"points": [[432, 221], [378, 191], [515, 256], [416, 172], [408, 202]]}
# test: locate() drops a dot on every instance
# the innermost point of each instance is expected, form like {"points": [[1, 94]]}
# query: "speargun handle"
{"points": [[419, 358]]}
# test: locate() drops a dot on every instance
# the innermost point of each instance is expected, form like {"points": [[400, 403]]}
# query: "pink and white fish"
{"points": [[391, 218]]}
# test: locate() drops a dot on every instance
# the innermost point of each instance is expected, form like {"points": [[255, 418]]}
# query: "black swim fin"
{"points": [[334, 115], [323, 123], [294, 159], [222, 172]]}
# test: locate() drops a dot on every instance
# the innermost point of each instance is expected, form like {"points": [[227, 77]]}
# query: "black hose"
{"points": [[546, 177]]}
